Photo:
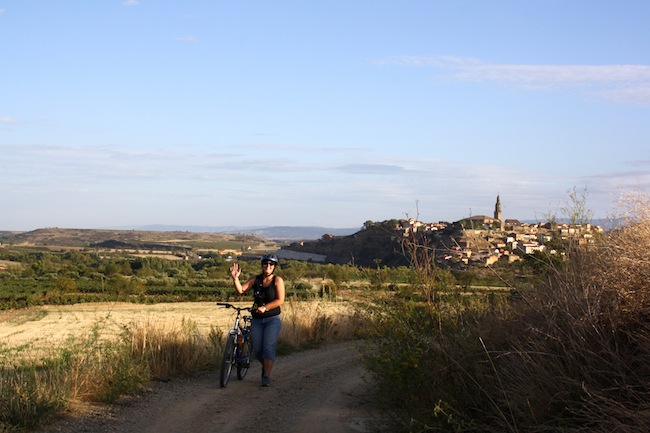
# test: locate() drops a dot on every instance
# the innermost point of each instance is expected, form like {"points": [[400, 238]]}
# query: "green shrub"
{"points": [[302, 286]]}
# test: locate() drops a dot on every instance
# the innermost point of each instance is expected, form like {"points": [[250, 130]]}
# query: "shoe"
{"points": [[266, 381]]}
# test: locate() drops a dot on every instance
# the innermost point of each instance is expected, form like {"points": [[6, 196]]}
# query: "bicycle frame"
{"points": [[238, 347]]}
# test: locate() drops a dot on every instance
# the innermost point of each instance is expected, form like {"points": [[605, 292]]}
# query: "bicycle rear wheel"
{"points": [[228, 360], [245, 360]]}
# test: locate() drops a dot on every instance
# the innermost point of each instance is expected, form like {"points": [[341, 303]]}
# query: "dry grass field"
{"points": [[32, 331], [60, 359]]}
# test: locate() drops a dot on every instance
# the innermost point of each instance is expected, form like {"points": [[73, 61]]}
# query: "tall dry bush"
{"points": [[624, 260], [571, 355]]}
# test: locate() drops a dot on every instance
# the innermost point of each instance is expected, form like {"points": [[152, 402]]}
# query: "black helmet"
{"points": [[270, 258]]}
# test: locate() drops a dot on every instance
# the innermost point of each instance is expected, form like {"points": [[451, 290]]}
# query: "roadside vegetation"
{"points": [[568, 353], [37, 385]]}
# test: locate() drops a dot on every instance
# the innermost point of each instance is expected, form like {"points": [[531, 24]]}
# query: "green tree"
{"points": [[117, 284], [65, 284]]}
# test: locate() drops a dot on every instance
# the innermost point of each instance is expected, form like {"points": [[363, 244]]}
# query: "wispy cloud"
{"points": [[305, 149], [621, 83], [2, 11], [378, 169], [129, 3], [639, 163], [61, 164], [639, 94], [7, 119], [74, 169]]}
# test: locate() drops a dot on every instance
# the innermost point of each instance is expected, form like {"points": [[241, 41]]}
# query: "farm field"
{"points": [[36, 328], [328, 385], [34, 331]]}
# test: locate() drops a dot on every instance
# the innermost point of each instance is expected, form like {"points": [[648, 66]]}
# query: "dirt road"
{"points": [[322, 390]]}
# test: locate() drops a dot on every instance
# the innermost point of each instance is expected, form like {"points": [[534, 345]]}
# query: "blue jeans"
{"points": [[264, 333]]}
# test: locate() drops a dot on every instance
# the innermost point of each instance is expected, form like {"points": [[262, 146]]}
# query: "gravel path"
{"points": [[321, 390]]}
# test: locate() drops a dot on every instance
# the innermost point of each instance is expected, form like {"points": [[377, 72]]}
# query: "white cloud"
{"points": [[621, 83], [7, 119], [2, 11], [129, 3], [640, 95]]}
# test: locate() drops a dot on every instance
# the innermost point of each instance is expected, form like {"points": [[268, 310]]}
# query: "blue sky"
{"points": [[329, 113]]}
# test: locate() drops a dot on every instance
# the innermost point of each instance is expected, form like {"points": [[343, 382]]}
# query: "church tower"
{"points": [[498, 215]]}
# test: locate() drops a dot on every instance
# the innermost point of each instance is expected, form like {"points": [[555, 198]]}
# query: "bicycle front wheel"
{"points": [[228, 360], [245, 360]]}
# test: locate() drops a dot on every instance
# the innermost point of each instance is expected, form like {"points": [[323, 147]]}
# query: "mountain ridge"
{"points": [[274, 233], [289, 233]]}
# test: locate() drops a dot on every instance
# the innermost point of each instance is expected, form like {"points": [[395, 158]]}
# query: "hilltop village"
{"points": [[474, 241]]}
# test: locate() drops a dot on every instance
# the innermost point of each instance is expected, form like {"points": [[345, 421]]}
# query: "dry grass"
{"points": [[309, 323], [569, 356], [172, 348], [101, 364], [580, 358]]}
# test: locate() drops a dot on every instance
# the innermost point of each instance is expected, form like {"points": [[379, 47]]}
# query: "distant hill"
{"points": [[277, 233], [54, 236], [178, 236]]}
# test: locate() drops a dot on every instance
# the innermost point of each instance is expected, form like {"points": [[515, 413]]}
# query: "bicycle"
{"points": [[239, 346]]}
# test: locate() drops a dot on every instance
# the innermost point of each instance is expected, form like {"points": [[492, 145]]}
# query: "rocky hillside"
{"points": [[376, 245]]}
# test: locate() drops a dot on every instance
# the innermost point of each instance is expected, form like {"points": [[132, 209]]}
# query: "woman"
{"points": [[268, 293]]}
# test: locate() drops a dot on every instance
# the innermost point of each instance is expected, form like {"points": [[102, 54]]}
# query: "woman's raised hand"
{"points": [[235, 272]]}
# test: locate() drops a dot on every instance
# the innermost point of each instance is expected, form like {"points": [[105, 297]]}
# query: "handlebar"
{"points": [[228, 305]]}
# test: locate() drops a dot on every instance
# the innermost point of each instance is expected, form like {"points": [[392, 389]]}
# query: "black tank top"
{"points": [[262, 296]]}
